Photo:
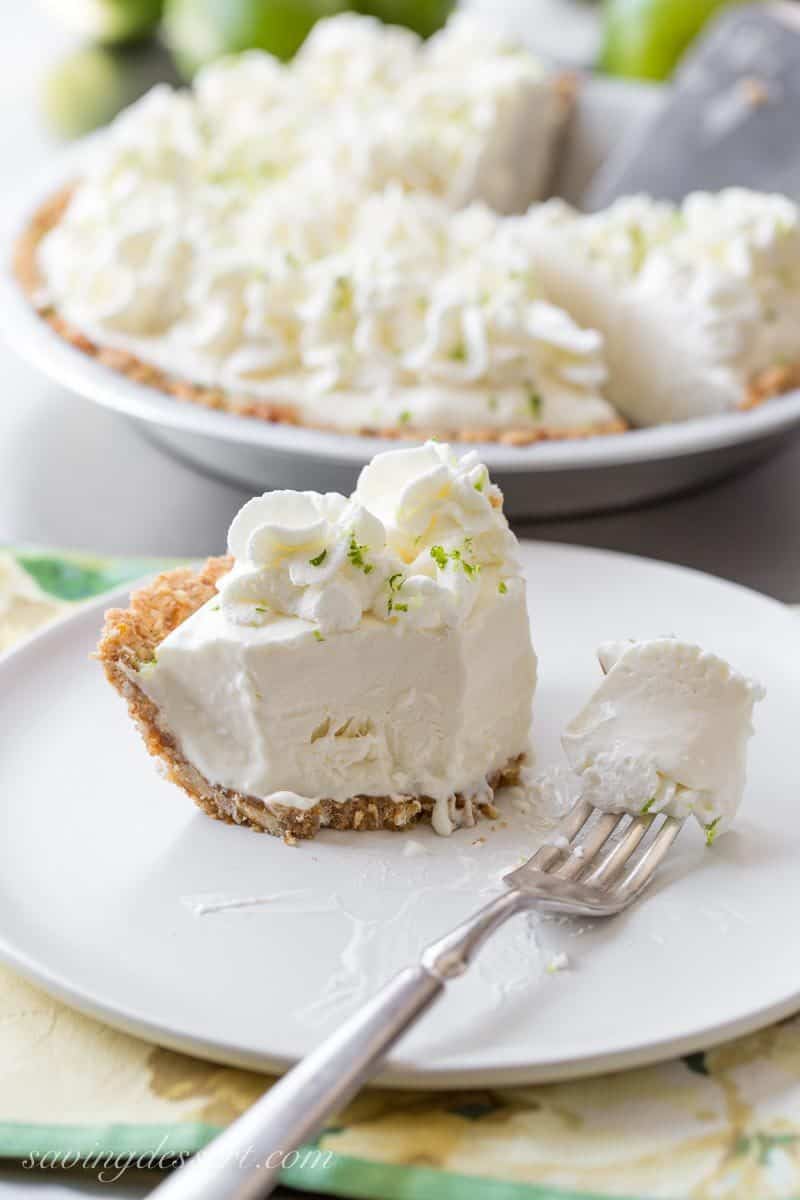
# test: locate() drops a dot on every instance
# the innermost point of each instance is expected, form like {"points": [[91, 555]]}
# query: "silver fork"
{"points": [[596, 872]]}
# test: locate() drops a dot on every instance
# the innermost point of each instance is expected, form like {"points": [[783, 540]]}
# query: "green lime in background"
{"points": [[423, 16], [199, 31], [90, 86], [645, 38], [109, 21]]}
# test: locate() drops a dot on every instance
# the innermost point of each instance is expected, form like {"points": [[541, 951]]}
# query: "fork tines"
{"points": [[599, 849]]}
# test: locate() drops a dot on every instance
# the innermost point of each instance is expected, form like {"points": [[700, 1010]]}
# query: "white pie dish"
{"points": [[103, 911], [545, 479]]}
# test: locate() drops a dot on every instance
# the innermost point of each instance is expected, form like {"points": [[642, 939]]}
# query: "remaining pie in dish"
{"points": [[328, 244], [698, 304], [358, 663], [290, 243]]}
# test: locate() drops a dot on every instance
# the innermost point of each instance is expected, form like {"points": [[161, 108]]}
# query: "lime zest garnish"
{"points": [[394, 583], [502, 587], [320, 558], [638, 240], [459, 352], [260, 608], [646, 807], [441, 557], [356, 553], [405, 417], [342, 293], [535, 402], [470, 569], [711, 831], [318, 636]]}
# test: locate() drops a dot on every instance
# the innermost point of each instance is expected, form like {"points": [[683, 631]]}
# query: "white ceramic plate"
{"points": [[105, 869], [550, 479]]}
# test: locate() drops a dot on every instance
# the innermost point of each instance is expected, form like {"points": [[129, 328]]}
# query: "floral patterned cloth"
{"points": [[724, 1125]]}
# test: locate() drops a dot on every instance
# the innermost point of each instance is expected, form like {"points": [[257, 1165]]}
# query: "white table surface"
{"points": [[74, 476]]}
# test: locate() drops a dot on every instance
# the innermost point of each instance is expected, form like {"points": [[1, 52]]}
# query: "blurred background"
{"points": [[113, 50]]}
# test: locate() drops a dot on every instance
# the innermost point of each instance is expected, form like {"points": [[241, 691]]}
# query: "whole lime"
{"points": [[198, 31], [90, 86], [645, 38], [109, 21], [423, 16]]}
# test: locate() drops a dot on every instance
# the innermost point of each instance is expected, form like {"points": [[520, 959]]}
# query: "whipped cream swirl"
{"points": [[665, 731], [445, 526], [421, 541], [303, 554]]}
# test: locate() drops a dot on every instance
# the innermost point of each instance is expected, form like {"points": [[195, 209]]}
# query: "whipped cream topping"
{"points": [[288, 233], [445, 528], [306, 555], [736, 234], [693, 300], [423, 683], [390, 310], [446, 116], [665, 731], [418, 542], [361, 100]]}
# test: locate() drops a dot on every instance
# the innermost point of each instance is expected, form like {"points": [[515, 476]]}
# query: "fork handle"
{"points": [[244, 1162]]}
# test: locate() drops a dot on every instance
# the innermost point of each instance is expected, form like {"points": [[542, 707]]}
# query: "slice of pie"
{"points": [[698, 304], [358, 663]]}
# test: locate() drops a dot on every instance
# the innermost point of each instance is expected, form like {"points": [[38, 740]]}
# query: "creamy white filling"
{"points": [[665, 731], [376, 646], [381, 710], [692, 301]]}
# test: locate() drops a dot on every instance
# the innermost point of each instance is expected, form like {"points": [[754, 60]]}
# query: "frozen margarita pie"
{"points": [[284, 241], [698, 304], [665, 731], [358, 663]]}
